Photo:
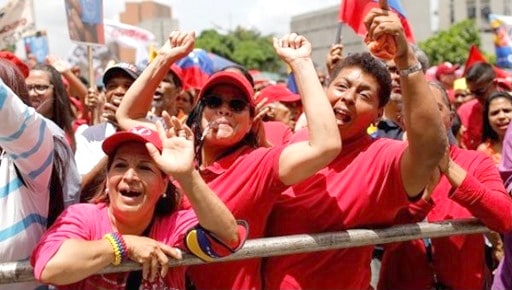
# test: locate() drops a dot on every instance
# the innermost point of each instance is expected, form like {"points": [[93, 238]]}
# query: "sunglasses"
{"points": [[39, 89], [481, 91], [235, 105]]}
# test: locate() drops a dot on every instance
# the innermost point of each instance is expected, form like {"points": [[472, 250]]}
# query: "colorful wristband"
{"points": [[118, 245]]}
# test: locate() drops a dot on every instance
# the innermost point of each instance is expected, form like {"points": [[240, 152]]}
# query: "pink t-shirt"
{"points": [[91, 222], [471, 118], [247, 181], [458, 261], [361, 188]]}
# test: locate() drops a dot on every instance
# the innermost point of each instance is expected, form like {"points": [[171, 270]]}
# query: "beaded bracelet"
{"points": [[118, 244]]}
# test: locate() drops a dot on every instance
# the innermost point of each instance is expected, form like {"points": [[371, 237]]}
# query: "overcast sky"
{"points": [[267, 16]]}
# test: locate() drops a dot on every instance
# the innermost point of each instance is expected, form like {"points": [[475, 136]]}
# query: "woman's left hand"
{"points": [[151, 254], [177, 155]]}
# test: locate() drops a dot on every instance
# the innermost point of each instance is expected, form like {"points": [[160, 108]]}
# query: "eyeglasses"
{"points": [[481, 91], [236, 105], [39, 89]]}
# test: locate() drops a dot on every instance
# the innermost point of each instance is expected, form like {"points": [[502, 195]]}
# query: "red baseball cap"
{"points": [[277, 93], [139, 134], [21, 65], [229, 78], [446, 68]]}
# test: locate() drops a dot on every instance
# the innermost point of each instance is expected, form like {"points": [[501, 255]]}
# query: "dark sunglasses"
{"points": [[236, 105], [481, 91]]}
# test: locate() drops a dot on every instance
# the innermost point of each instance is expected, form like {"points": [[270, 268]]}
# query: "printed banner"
{"points": [[502, 26], [16, 19], [130, 36]]}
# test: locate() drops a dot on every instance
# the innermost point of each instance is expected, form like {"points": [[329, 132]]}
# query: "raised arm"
{"points": [[137, 101], [301, 160], [26, 139], [482, 193], [425, 131], [177, 160]]}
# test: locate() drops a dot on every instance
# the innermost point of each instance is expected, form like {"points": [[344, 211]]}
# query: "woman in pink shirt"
{"points": [[136, 218]]}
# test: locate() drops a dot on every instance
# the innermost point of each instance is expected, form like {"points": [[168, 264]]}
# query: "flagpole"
{"points": [[337, 38], [92, 82]]}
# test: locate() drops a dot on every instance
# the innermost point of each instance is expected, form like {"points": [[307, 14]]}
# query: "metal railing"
{"points": [[275, 246]]}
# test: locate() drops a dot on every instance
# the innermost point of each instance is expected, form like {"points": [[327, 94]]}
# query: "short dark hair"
{"points": [[369, 65], [480, 71]]}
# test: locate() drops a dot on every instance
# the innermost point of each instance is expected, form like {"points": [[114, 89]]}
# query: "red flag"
{"points": [[475, 55], [352, 12]]}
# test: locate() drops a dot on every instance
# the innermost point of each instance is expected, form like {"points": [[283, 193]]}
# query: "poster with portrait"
{"points": [[85, 21], [36, 45]]}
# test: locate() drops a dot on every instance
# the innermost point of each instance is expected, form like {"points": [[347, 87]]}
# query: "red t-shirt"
{"points": [[361, 188], [277, 133], [471, 118], [458, 261], [247, 181]]}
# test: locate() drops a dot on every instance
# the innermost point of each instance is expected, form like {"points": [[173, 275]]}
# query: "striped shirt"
{"points": [[25, 169]]}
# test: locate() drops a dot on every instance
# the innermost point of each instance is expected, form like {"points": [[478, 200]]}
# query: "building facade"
{"points": [[151, 16]]}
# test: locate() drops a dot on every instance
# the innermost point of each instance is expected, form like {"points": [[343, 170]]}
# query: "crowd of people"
{"points": [[148, 168]]}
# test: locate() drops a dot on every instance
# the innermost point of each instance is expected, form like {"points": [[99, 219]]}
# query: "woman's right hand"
{"points": [[177, 156], [151, 254]]}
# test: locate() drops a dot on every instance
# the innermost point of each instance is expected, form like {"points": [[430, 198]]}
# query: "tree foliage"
{"points": [[453, 44], [245, 47]]}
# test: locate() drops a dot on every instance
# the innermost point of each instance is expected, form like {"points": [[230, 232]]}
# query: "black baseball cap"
{"points": [[123, 67]]}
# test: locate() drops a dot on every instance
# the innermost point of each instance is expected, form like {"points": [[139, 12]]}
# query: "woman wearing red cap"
{"points": [[248, 178], [136, 218]]}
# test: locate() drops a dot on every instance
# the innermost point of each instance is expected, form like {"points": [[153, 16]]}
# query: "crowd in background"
{"points": [[147, 166]]}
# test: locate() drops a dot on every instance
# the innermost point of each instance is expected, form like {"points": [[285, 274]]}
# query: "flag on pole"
{"points": [[474, 56], [352, 13], [502, 26], [16, 19]]}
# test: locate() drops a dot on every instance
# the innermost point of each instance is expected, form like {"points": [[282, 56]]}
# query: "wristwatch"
{"points": [[412, 69]]}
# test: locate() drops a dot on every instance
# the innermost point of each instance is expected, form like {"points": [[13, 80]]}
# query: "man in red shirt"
{"points": [[371, 179], [469, 186], [481, 82]]}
